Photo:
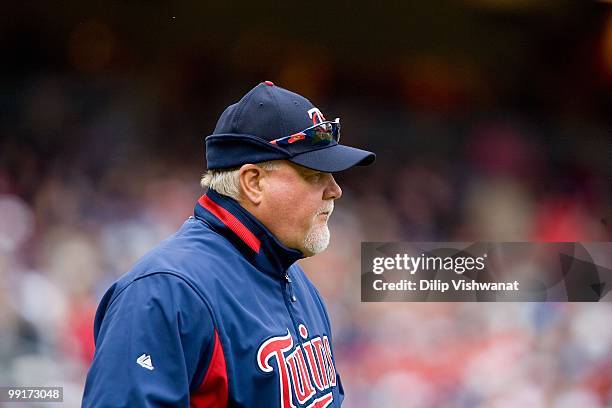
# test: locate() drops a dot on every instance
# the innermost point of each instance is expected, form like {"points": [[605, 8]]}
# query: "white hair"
{"points": [[226, 182]]}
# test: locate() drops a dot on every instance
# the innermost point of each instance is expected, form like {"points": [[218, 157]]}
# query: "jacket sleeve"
{"points": [[153, 347]]}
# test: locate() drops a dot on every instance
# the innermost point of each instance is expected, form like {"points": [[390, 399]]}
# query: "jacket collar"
{"points": [[246, 233]]}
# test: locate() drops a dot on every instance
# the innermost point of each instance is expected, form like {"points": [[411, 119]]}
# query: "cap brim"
{"points": [[334, 159]]}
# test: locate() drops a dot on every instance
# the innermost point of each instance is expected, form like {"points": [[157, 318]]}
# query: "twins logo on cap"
{"points": [[316, 116]]}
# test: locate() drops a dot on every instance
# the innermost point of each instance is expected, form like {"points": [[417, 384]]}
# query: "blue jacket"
{"points": [[217, 315]]}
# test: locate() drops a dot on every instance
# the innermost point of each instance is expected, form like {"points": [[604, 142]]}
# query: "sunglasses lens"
{"points": [[324, 133], [318, 135]]}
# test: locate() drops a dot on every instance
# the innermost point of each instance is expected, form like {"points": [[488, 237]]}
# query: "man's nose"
{"points": [[332, 190]]}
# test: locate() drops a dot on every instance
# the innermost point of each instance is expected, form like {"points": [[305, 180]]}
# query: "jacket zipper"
{"points": [[289, 297], [289, 281]]}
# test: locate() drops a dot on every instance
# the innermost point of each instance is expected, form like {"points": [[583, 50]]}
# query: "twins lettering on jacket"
{"points": [[304, 369]]}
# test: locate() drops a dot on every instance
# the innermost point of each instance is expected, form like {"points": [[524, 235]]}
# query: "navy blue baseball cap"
{"points": [[272, 123]]}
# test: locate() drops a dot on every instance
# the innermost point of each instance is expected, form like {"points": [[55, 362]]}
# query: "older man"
{"points": [[220, 314]]}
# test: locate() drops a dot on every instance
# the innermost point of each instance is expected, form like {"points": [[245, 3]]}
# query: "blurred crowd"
{"points": [[98, 163], [67, 232]]}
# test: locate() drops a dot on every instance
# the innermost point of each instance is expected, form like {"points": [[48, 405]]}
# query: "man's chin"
{"points": [[316, 240]]}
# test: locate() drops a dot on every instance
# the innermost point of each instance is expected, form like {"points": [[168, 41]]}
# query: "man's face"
{"points": [[296, 205]]}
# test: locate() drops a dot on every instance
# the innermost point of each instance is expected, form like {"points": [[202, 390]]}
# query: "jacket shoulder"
{"points": [[194, 253]]}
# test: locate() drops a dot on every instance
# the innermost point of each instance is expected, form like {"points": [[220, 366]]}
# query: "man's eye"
{"points": [[314, 177]]}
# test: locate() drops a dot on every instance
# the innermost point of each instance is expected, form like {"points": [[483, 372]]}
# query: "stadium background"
{"points": [[491, 120]]}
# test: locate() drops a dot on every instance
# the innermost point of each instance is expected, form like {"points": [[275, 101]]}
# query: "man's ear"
{"points": [[250, 183]]}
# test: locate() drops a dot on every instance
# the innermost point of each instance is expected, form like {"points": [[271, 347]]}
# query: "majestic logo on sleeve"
{"points": [[304, 369]]}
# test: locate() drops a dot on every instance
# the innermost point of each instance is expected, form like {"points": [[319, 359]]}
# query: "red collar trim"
{"points": [[231, 222]]}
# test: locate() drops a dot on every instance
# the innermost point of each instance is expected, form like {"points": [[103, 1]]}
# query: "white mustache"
{"points": [[327, 209]]}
